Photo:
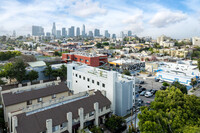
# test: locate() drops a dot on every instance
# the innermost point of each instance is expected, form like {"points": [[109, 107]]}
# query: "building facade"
{"points": [[94, 60]]}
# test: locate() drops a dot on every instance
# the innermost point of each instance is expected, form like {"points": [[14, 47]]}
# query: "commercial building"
{"points": [[58, 35], [107, 35], [37, 30], [83, 31], [96, 32], [94, 60], [90, 34], [64, 34], [54, 29], [120, 89], [71, 32], [78, 31]]}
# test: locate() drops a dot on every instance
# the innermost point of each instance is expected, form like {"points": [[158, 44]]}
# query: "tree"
{"points": [[56, 53], [116, 124], [48, 70], [193, 82], [198, 64], [96, 129], [126, 72], [8, 71], [165, 84], [64, 72], [171, 112], [32, 75], [99, 45], [105, 43], [183, 88], [19, 70]]}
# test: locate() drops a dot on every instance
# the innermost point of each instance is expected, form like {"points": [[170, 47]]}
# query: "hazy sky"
{"points": [[175, 18]]}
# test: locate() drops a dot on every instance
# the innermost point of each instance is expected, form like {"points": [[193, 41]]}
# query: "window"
{"points": [[63, 125], [75, 58], [29, 102], [91, 113], [97, 83], [83, 78], [79, 76], [88, 86], [53, 96], [92, 81], [76, 81], [87, 60], [73, 68], [76, 75], [88, 79], [103, 85], [81, 59], [54, 129], [39, 100], [68, 57]]}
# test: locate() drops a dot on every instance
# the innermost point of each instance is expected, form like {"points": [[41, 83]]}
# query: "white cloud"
{"points": [[86, 8], [165, 18]]}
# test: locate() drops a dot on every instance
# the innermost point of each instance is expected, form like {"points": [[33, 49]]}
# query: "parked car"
{"points": [[161, 81], [140, 86], [142, 93], [163, 88], [143, 89], [149, 75], [147, 103], [140, 101], [141, 82], [139, 91], [148, 94], [157, 80], [153, 91]]}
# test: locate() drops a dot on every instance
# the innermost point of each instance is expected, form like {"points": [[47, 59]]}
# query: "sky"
{"points": [[175, 18]]}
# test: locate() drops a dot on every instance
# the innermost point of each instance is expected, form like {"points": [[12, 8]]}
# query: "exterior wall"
{"points": [[124, 99], [20, 106]]}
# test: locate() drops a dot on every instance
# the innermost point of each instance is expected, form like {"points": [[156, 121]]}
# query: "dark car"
{"points": [[149, 75], [157, 80], [154, 91], [140, 86], [163, 88], [139, 91], [143, 89], [141, 82], [140, 101], [142, 93]]}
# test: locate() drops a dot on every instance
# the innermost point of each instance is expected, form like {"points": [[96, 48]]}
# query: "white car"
{"points": [[148, 94], [161, 81]]}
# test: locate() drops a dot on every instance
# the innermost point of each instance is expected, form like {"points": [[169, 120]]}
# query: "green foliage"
{"points": [[96, 129], [196, 53], [99, 45], [171, 112], [198, 64], [56, 53], [32, 75], [48, 71], [165, 84], [126, 72], [105, 44], [193, 82], [9, 54], [19, 70], [180, 86], [115, 124]]}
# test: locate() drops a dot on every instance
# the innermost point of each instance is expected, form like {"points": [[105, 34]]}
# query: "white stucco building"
{"points": [[120, 89]]}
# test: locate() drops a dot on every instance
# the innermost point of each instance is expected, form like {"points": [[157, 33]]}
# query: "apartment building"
{"points": [[68, 115], [23, 97], [120, 89], [94, 60]]}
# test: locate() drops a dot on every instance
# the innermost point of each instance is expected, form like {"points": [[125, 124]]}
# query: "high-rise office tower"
{"points": [[71, 31], [90, 34], [129, 33], [58, 33], [14, 33], [122, 34], [54, 29], [78, 31], [96, 32], [107, 35], [83, 31], [113, 36], [37, 30], [64, 32], [48, 34]]}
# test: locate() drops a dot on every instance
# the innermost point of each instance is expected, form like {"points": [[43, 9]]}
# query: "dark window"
{"points": [[29, 102], [83, 78], [97, 83], [73, 68], [76, 81], [91, 113], [39, 100], [88, 86], [92, 81], [76, 75], [79, 76], [103, 85], [53, 96], [88, 79]]}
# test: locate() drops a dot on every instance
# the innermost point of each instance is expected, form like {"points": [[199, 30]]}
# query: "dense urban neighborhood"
{"points": [[90, 66]]}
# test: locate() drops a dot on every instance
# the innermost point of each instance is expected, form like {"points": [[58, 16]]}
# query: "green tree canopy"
{"points": [[32, 75], [180, 86], [171, 112], [116, 124], [165, 84], [48, 71], [19, 70], [126, 72]]}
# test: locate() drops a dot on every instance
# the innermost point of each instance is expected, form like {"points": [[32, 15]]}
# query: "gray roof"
{"points": [[15, 98], [36, 123], [37, 63]]}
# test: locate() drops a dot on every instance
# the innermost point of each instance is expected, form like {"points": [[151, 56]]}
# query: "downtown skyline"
{"points": [[144, 18]]}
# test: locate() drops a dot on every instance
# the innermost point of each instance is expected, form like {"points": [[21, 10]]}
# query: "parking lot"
{"points": [[149, 83]]}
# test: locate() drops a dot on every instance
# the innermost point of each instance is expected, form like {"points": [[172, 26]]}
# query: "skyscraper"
{"points": [[71, 31], [122, 34], [78, 31], [37, 30], [58, 33], [113, 36], [64, 32], [129, 33], [107, 35], [90, 34], [54, 29], [96, 32], [83, 31]]}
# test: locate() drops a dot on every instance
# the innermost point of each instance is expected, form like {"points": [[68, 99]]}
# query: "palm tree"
{"points": [[48, 71]]}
